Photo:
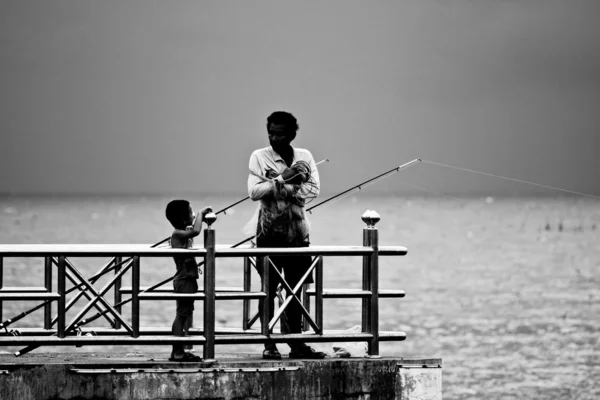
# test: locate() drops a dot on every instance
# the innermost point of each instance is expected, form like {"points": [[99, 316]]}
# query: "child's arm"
{"points": [[193, 230]]}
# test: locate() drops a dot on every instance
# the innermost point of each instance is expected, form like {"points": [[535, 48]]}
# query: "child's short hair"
{"points": [[177, 211]]}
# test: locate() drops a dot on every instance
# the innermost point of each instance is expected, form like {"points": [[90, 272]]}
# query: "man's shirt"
{"points": [[263, 160]]}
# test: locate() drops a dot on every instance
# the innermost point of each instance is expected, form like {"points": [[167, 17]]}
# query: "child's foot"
{"points": [[186, 357]]}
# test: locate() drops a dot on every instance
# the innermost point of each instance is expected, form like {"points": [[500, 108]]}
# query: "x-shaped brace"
{"points": [[110, 265], [98, 296], [84, 292], [293, 297]]}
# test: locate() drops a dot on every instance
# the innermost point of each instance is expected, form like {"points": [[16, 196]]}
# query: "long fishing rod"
{"points": [[102, 272], [350, 191], [108, 268], [337, 196], [365, 183], [224, 210]]}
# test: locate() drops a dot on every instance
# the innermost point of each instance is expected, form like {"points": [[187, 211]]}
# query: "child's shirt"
{"points": [[186, 266]]}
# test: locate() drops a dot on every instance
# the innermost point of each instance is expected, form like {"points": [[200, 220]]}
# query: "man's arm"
{"points": [[257, 186]]}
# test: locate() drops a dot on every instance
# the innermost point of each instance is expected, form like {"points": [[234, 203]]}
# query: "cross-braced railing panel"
{"points": [[125, 259]]}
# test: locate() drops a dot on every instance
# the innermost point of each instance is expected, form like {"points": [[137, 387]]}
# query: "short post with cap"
{"points": [[370, 307], [209, 288]]}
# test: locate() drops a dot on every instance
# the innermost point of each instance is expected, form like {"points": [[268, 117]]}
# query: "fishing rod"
{"points": [[107, 268], [353, 189], [224, 210], [365, 183], [337, 196]]}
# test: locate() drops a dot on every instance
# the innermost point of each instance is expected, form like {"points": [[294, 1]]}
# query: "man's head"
{"points": [[179, 213], [281, 127]]}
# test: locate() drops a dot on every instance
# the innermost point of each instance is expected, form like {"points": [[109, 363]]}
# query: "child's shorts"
{"points": [[185, 307]]}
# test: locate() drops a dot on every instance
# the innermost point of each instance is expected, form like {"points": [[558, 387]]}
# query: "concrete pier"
{"points": [[231, 376]]}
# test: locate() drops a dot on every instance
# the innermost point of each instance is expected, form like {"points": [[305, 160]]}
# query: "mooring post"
{"points": [[135, 299], [117, 289], [209, 288], [247, 288], [48, 286], [61, 288]]}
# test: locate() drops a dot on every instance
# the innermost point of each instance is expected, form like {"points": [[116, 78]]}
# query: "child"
{"points": [[181, 216]]}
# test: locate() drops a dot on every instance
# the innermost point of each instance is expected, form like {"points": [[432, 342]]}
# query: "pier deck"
{"points": [[149, 375]]}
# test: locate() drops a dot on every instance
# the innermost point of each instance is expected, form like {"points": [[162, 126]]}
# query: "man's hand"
{"points": [[294, 175]]}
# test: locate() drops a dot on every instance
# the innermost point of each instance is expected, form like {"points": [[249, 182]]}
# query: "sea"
{"points": [[505, 290]]}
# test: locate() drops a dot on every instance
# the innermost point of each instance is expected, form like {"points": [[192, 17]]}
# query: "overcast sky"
{"points": [[172, 96]]}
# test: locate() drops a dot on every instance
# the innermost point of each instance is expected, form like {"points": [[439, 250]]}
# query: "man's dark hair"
{"points": [[177, 211], [283, 118]]}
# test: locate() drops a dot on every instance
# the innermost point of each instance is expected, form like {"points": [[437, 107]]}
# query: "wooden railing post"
{"points": [[1, 282], [135, 299], [267, 302], [117, 291], [366, 283], [247, 288], [209, 289], [48, 286], [61, 286], [319, 295], [306, 303]]}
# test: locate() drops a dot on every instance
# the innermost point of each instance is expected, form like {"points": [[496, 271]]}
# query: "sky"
{"points": [[169, 97]]}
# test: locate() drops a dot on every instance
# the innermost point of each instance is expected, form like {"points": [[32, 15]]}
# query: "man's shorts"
{"points": [[185, 307]]}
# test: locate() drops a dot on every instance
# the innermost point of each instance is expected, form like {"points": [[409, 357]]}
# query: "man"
{"points": [[282, 178]]}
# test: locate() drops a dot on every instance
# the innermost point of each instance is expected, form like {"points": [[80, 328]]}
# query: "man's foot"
{"points": [[271, 354], [307, 352], [187, 357]]}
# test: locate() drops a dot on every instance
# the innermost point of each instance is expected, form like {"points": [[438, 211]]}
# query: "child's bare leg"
{"points": [[177, 329], [189, 322]]}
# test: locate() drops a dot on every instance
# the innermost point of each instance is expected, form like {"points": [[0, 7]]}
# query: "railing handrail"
{"points": [[94, 250], [110, 250]]}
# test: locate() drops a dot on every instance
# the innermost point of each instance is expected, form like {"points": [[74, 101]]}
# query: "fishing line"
{"points": [[512, 179]]}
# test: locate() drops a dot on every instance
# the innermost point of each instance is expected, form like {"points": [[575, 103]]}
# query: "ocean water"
{"points": [[505, 290]]}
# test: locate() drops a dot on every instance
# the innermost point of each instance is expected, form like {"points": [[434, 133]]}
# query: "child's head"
{"points": [[179, 213]]}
